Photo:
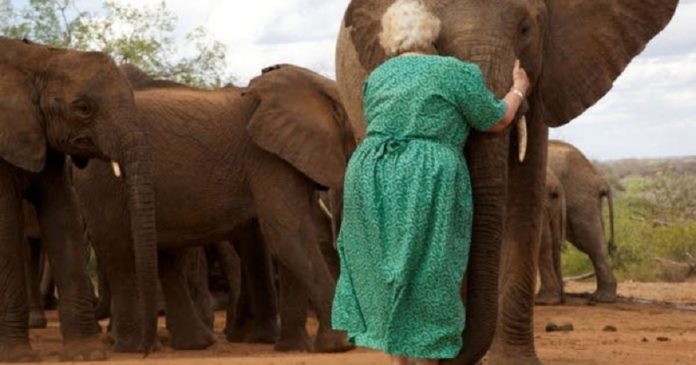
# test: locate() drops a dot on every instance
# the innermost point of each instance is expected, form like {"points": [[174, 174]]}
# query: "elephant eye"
{"points": [[82, 108], [525, 26]]}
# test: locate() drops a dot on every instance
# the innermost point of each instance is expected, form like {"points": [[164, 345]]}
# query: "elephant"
{"points": [[220, 158], [572, 51], [56, 103], [553, 235], [585, 189]]}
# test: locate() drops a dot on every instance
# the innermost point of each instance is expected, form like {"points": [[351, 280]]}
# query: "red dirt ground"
{"points": [[635, 341]]}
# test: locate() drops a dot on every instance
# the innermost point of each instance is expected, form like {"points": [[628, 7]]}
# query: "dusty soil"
{"points": [[635, 341]]}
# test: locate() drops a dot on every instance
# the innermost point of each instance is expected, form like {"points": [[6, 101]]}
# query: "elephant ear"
{"points": [[299, 117], [363, 18], [22, 137], [589, 44]]}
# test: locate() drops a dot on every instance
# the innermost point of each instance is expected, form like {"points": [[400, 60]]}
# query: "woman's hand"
{"points": [[514, 98], [520, 81]]}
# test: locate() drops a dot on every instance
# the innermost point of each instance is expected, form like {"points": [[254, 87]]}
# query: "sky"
{"points": [[650, 112]]}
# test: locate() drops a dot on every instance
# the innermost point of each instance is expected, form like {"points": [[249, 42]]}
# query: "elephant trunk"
{"points": [[137, 164], [487, 157]]}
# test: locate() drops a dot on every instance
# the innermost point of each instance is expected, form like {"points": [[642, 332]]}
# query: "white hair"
{"points": [[408, 26]]}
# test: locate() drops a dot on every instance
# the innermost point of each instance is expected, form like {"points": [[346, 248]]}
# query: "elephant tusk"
{"points": [[522, 138], [116, 168], [325, 209]]}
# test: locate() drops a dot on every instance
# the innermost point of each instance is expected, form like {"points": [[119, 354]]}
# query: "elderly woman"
{"points": [[405, 237]]}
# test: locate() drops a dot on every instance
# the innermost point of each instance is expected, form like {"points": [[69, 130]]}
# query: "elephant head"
{"points": [[300, 118], [79, 103], [572, 50]]}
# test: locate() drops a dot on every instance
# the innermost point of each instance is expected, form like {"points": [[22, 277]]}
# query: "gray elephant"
{"points": [[585, 190], [221, 158], [572, 50], [55, 103], [553, 235]]}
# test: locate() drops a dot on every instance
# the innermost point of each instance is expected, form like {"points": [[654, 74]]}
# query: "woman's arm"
{"points": [[514, 98]]}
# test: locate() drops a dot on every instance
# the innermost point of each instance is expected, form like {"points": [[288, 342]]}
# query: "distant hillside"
{"points": [[620, 169]]}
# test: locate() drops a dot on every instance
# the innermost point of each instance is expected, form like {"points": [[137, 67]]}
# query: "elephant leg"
{"points": [[116, 262], [64, 241], [514, 337], [197, 281], [37, 318], [125, 323], [186, 328], [263, 298], [327, 237], [284, 215], [230, 265], [14, 331], [294, 304], [550, 291], [257, 311], [48, 285], [606, 282], [103, 310], [239, 319], [588, 236]]}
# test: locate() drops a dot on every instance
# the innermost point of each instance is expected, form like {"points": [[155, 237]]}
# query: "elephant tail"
{"points": [[611, 245]]}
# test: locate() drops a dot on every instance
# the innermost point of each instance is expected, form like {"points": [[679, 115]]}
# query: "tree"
{"points": [[143, 36]]}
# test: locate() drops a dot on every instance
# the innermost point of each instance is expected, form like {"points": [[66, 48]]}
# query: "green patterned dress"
{"points": [[406, 231]]}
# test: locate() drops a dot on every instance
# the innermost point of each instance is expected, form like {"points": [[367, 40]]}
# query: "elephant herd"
{"points": [[149, 171]]}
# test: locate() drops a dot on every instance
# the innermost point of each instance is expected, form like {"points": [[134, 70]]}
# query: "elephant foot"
{"points": [[37, 319], [604, 296], [503, 359], [18, 353], [129, 346], [262, 333], [332, 341], [84, 350], [192, 340], [548, 298], [293, 341]]}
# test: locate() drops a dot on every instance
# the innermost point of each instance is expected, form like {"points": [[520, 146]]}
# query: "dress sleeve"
{"points": [[479, 106]]}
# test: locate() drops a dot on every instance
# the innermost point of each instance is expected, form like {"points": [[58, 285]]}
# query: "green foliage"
{"points": [[655, 216], [574, 262], [142, 35]]}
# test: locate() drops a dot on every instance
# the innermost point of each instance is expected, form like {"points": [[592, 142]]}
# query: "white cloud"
{"points": [[302, 32]]}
